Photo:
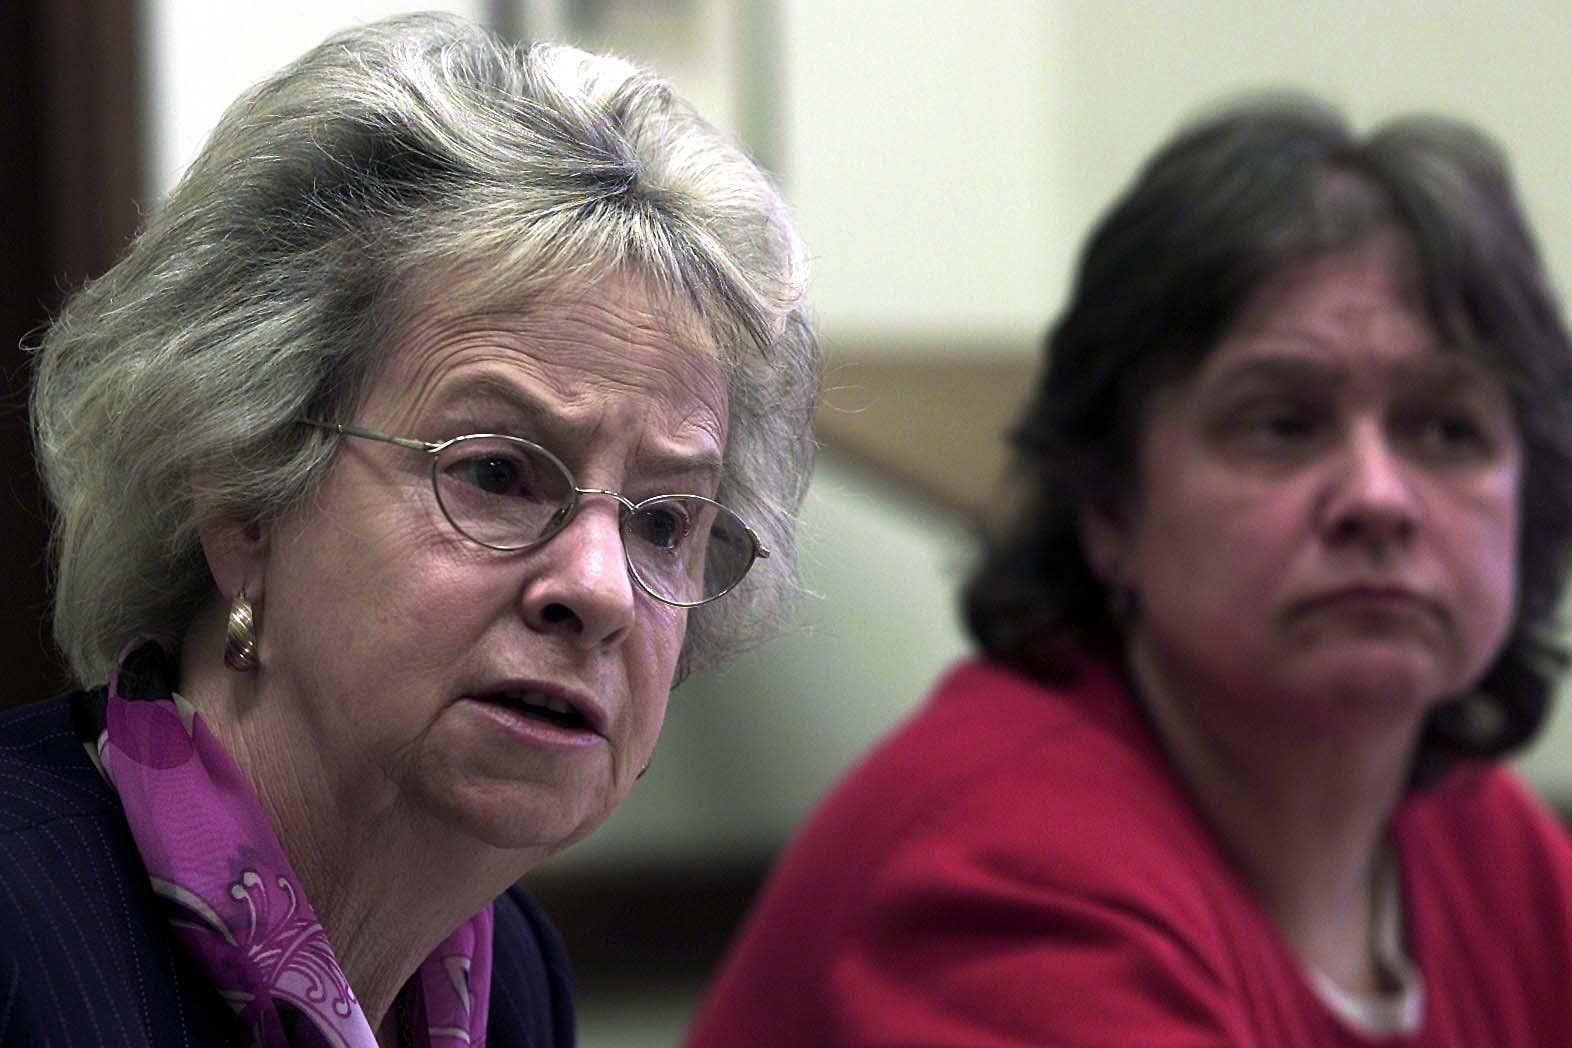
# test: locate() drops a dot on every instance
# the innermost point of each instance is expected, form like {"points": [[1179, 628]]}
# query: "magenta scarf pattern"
{"points": [[238, 907]]}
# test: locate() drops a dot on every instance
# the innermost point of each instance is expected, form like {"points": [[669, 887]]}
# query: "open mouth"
{"points": [[539, 706]]}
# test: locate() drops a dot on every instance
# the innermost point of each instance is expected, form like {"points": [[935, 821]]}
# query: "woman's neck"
{"points": [[387, 883], [1304, 816]]}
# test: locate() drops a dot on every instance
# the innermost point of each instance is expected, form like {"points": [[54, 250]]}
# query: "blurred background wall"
{"points": [[945, 160]]}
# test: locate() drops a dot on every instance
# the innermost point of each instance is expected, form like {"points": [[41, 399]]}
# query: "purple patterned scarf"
{"points": [[232, 897]]}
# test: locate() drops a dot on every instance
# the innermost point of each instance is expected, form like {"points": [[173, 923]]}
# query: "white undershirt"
{"points": [[1385, 1013]]}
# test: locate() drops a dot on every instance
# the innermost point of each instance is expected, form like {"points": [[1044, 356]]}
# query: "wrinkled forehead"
{"points": [[576, 351], [1379, 269], [643, 310], [1374, 300], [480, 291]]}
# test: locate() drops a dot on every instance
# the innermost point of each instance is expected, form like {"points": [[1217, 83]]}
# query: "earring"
{"points": [[240, 636]]}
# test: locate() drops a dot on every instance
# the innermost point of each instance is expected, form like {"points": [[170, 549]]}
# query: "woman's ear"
{"points": [[237, 555], [1105, 540]]}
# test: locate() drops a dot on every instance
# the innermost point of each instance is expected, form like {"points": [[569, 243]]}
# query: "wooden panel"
{"points": [[933, 424]]}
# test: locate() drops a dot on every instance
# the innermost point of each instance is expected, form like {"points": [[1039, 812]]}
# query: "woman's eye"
{"points": [[1449, 435], [495, 474], [1275, 426], [1286, 425], [664, 528]]}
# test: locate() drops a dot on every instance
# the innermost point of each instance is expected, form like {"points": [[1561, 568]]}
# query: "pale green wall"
{"points": [[946, 158], [204, 53], [1549, 764]]}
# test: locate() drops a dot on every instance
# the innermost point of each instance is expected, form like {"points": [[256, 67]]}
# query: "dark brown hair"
{"points": [[1229, 201]]}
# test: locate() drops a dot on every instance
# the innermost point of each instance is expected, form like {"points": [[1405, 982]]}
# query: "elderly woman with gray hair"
{"points": [[399, 470]]}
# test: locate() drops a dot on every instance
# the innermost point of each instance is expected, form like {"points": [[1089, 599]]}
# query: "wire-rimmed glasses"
{"points": [[508, 493]]}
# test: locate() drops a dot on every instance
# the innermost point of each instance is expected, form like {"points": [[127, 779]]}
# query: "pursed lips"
{"points": [[1371, 597]]}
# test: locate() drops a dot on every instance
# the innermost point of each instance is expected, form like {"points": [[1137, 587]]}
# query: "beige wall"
{"points": [[946, 165], [206, 52]]}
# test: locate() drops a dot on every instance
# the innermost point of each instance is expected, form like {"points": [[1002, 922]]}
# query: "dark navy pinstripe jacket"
{"points": [[86, 957]]}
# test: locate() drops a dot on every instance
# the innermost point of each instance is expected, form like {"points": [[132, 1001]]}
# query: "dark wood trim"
{"points": [[72, 178], [653, 927]]}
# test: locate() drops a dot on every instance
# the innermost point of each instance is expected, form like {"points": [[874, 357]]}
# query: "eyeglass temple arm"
{"points": [[355, 431]]}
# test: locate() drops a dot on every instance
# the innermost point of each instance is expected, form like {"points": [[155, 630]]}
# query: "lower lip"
{"points": [[1381, 605], [535, 732]]}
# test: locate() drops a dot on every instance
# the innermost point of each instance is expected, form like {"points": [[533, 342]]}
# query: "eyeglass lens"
{"points": [[507, 493]]}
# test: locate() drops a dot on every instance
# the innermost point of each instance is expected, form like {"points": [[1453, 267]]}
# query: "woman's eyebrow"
{"points": [[460, 394], [1438, 374], [1447, 373], [550, 424], [1279, 369], [704, 464]]}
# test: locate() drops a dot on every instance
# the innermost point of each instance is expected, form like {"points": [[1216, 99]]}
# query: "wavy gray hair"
{"points": [[327, 205]]}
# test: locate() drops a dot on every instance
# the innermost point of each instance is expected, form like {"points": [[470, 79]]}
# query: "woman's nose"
{"points": [[578, 585], [1372, 498]]}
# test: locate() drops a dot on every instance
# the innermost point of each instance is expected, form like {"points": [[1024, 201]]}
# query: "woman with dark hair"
{"points": [[1279, 587]]}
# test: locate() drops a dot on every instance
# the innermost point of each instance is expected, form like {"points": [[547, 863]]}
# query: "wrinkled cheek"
{"points": [[653, 704], [651, 735], [652, 679], [667, 633]]}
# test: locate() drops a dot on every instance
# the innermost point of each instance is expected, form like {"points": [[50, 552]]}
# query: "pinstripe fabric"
{"points": [[86, 957]]}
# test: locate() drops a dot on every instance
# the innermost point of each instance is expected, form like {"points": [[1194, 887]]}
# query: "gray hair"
{"points": [[327, 206]]}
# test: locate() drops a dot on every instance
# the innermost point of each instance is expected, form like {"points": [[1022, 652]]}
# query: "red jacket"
{"points": [[1019, 866]]}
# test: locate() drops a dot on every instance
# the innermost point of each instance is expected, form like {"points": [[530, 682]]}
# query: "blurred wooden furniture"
{"points": [[930, 418]]}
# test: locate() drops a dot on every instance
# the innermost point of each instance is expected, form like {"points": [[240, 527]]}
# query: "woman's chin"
{"points": [[541, 818], [1374, 679], [485, 786]]}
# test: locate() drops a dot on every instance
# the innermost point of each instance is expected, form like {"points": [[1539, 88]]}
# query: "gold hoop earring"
{"points": [[240, 636]]}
